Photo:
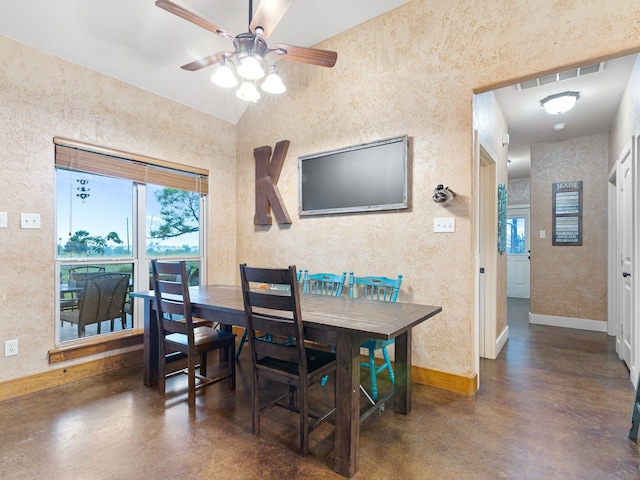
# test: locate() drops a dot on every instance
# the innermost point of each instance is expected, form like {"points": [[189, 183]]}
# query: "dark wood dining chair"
{"points": [[277, 311], [385, 290], [101, 299], [266, 337], [179, 332]]}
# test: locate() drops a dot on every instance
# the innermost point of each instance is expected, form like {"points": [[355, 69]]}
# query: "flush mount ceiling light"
{"points": [[250, 50], [560, 102]]}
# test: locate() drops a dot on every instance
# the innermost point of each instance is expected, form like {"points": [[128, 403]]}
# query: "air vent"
{"points": [[558, 77]]}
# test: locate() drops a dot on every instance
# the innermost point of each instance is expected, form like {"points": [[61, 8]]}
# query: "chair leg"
{"points": [[242, 340], [203, 364], [372, 374], [191, 371], [162, 366], [232, 367], [303, 405], [255, 405], [385, 353]]}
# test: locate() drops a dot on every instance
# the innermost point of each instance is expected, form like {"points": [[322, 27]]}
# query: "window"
{"points": [[516, 235], [115, 213]]}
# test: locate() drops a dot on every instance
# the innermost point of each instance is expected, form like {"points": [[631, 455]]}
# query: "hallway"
{"points": [[556, 404]]}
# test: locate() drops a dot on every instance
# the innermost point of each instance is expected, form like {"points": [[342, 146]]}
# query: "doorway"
{"points": [[528, 127], [518, 252]]}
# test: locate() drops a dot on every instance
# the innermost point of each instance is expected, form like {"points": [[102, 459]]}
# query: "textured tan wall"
{"points": [[42, 97], [414, 71], [570, 281]]}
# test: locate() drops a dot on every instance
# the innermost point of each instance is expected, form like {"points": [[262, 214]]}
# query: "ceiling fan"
{"points": [[251, 50]]}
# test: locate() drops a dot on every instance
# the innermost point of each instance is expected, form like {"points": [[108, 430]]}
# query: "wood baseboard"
{"points": [[446, 381], [61, 376]]}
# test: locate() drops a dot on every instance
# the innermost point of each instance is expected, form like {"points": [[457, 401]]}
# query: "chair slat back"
{"points": [[323, 283], [270, 308], [103, 298], [78, 276], [171, 288], [375, 288]]}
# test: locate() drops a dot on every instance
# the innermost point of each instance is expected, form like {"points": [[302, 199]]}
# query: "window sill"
{"points": [[112, 342]]}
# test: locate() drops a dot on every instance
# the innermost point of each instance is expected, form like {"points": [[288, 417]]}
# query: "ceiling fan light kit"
{"points": [[560, 102], [251, 50]]}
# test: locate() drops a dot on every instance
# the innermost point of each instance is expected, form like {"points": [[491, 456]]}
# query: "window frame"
{"points": [[140, 170]]}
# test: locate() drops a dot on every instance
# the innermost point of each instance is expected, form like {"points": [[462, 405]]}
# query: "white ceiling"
{"points": [[600, 95], [141, 44]]}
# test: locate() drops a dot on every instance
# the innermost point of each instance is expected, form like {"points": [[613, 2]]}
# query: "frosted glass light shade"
{"points": [[248, 92], [273, 83], [560, 102], [250, 68], [224, 77]]}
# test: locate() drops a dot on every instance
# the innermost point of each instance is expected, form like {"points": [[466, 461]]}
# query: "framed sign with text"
{"points": [[567, 213]]}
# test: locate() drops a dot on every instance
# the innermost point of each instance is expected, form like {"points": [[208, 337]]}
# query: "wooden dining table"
{"points": [[340, 321]]}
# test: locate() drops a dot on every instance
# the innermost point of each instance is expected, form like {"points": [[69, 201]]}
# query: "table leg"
{"points": [[150, 345], [347, 428], [403, 373]]}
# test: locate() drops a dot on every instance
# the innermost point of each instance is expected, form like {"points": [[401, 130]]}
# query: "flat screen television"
{"points": [[368, 177]]}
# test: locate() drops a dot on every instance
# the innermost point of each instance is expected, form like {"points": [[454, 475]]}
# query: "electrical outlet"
{"points": [[10, 347], [29, 220]]}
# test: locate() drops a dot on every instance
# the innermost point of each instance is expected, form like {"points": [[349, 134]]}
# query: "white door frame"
{"points": [[625, 320], [635, 268], [613, 297], [487, 252]]}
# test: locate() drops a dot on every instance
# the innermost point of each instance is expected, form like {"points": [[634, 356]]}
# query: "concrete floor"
{"points": [[556, 404]]}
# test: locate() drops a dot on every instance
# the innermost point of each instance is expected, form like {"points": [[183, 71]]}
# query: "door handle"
{"points": [[626, 274]]}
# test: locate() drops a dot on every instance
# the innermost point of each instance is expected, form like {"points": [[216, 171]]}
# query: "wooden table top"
{"points": [[370, 318]]}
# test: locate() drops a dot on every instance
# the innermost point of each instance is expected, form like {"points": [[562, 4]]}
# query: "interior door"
{"points": [[488, 251], [625, 331], [518, 253]]}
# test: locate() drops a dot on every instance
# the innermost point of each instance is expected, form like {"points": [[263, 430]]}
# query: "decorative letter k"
{"points": [[268, 197]]}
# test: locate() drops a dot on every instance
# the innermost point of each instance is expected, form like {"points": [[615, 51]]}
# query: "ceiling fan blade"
{"points": [[206, 61], [192, 17], [313, 56], [267, 16]]}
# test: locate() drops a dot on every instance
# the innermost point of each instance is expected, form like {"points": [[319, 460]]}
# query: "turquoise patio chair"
{"points": [[268, 337], [386, 290]]}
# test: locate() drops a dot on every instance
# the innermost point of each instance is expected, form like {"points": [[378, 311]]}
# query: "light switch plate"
{"points": [[444, 225], [3, 219], [29, 220]]}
